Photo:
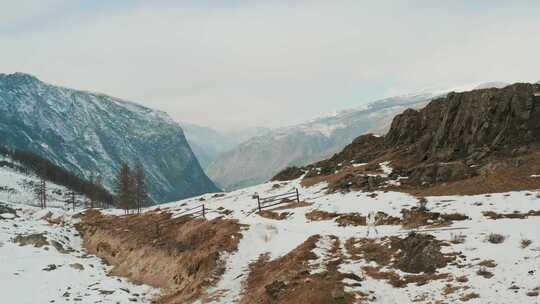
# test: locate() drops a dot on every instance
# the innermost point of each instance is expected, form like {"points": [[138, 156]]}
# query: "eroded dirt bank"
{"points": [[180, 256], [290, 279]]}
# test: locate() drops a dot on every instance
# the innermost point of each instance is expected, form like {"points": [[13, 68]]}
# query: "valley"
{"points": [[389, 219]]}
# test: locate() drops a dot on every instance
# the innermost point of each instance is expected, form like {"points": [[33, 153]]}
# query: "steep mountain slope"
{"points": [[89, 133], [259, 158]]}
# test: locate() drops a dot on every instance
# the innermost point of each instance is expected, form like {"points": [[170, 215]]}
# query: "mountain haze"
{"points": [[258, 159], [208, 143]]}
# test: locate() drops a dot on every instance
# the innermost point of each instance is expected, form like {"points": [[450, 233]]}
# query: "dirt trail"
{"points": [[183, 257]]}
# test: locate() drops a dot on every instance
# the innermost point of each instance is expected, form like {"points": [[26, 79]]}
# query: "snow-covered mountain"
{"points": [[259, 158], [88, 133]]}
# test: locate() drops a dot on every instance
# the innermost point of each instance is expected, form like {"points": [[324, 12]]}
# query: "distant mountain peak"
{"points": [[18, 78], [492, 84]]}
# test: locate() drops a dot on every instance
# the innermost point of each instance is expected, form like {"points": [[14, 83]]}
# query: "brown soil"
{"points": [[292, 205], [469, 296], [181, 256], [287, 280], [414, 254], [37, 240], [319, 215], [269, 214], [351, 219], [516, 215], [397, 281], [488, 263], [416, 217], [502, 175]]}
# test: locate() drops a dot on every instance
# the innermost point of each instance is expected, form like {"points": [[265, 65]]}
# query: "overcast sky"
{"points": [[229, 64]]}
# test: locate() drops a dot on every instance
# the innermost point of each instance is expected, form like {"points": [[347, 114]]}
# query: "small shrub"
{"points": [[470, 296], [532, 293], [496, 238], [462, 279], [457, 238], [525, 243], [488, 263], [484, 273], [422, 203]]}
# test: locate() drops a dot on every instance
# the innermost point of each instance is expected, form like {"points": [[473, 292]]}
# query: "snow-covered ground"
{"points": [[53, 273], [18, 187], [516, 266], [514, 276], [49, 273]]}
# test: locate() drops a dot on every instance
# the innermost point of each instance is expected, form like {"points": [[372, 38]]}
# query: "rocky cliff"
{"points": [[89, 133], [452, 138]]}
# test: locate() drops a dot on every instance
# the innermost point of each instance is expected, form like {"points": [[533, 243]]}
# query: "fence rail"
{"points": [[270, 201], [195, 211]]}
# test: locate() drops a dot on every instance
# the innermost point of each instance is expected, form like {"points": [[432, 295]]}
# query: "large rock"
{"points": [[440, 172], [475, 123]]}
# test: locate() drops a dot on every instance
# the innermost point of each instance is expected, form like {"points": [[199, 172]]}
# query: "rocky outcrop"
{"points": [[470, 125], [453, 138]]}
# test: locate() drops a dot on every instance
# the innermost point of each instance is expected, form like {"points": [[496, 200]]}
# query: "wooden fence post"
{"points": [[203, 211], [297, 196], [259, 202]]}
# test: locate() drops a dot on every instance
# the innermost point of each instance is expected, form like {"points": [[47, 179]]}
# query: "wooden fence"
{"points": [[283, 198], [194, 212]]}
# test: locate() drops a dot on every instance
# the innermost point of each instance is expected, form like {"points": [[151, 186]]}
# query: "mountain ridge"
{"points": [[259, 158], [87, 133]]}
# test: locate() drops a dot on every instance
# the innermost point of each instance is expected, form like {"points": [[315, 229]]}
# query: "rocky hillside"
{"points": [[259, 158], [88, 133], [456, 137]]}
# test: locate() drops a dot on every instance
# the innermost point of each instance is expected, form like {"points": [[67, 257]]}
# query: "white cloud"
{"points": [[270, 63]]}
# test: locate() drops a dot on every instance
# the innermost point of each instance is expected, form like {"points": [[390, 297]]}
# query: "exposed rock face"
{"points": [[469, 125], [452, 138], [440, 172], [88, 133]]}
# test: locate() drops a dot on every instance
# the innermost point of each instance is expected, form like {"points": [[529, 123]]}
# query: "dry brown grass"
{"points": [[351, 219], [516, 215], [399, 282], [483, 272], [181, 256], [496, 238], [292, 205], [319, 215], [269, 214], [469, 296], [450, 289], [504, 176], [287, 280], [524, 243], [488, 263]]}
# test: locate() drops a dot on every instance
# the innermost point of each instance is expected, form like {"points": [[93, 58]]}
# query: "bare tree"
{"points": [[141, 194], [125, 188]]}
